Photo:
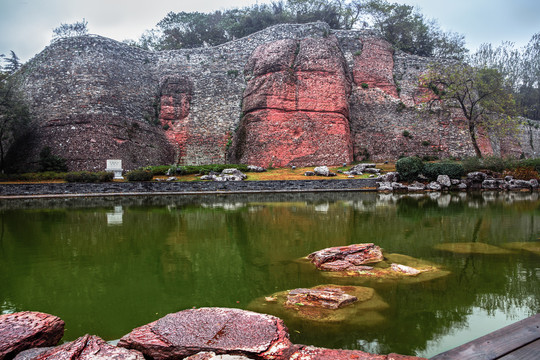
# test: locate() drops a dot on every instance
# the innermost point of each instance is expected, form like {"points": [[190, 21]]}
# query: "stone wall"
{"points": [[94, 99]]}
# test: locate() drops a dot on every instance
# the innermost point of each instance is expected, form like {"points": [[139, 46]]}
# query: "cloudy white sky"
{"points": [[26, 25]]}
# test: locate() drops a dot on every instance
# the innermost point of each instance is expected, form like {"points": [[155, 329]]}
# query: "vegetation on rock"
{"points": [[403, 26], [14, 115], [478, 95]]}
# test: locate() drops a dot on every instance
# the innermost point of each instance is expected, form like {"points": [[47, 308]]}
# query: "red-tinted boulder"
{"points": [[219, 330], [85, 348], [26, 330], [295, 105], [212, 356], [356, 255], [330, 298], [313, 353], [375, 66]]}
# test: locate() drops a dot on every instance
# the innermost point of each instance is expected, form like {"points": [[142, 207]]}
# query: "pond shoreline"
{"points": [[50, 190]]}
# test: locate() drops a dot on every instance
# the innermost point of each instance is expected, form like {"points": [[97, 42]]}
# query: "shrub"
{"points": [[497, 164], [407, 134], [42, 176], [50, 162], [426, 143], [156, 170], [453, 170], [535, 163], [89, 177], [364, 85], [524, 173], [139, 175], [471, 164], [205, 169], [409, 168]]}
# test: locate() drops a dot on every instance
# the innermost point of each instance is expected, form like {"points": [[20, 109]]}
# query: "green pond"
{"points": [[108, 265]]}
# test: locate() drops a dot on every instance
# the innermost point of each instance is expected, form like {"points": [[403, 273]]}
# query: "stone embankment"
{"points": [[477, 181], [188, 188], [205, 333]]}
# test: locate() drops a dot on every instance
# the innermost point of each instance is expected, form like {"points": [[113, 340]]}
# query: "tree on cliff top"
{"points": [[480, 95], [408, 30], [78, 28], [520, 69], [403, 26]]}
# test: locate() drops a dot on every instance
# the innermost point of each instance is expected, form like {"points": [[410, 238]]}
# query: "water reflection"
{"points": [[165, 254], [116, 217]]}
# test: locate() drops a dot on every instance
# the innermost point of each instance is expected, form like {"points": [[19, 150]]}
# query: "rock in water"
{"points": [[356, 254], [331, 298], [404, 269], [219, 330], [87, 347], [25, 330]]}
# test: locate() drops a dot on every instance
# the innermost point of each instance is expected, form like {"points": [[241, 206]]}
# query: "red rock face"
{"points": [[175, 98], [218, 330], [27, 329], [89, 347], [295, 105], [375, 66]]}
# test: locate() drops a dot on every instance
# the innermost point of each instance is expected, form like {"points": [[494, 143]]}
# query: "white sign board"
{"points": [[114, 164], [116, 167]]}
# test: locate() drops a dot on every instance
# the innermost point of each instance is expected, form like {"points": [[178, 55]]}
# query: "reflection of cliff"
{"points": [[179, 254], [290, 94]]}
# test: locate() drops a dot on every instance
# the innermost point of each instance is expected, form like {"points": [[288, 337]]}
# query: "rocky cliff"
{"points": [[287, 95]]}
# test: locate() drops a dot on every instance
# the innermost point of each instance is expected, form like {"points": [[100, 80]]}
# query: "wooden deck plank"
{"points": [[498, 343], [527, 352]]}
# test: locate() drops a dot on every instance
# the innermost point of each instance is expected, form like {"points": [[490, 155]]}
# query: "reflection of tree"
{"points": [[468, 269]]}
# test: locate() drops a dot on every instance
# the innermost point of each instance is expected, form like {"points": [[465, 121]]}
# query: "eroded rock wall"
{"points": [[287, 95], [295, 105], [93, 99]]}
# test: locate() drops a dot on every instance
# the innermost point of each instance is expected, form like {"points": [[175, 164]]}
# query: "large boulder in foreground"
{"points": [[28, 329], [86, 347], [219, 330]]}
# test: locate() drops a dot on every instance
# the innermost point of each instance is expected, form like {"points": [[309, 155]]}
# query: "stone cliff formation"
{"points": [[287, 95]]}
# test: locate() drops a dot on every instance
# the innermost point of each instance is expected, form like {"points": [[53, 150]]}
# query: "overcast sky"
{"points": [[26, 25]]}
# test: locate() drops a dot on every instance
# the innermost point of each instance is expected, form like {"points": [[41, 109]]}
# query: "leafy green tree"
{"points": [[78, 28], [520, 69], [14, 117], [12, 62], [407, 30], [479, 95], [404, 27], [529, 92]]}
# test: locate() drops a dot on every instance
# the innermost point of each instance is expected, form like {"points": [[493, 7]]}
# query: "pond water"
{"points": [[108, 265]]}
